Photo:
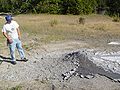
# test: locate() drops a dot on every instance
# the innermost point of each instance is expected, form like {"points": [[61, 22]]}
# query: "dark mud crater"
{"points": [[85, 68]]}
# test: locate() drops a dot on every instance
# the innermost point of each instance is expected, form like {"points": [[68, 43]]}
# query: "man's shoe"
{"points": [[13, 62], [24, 59]]}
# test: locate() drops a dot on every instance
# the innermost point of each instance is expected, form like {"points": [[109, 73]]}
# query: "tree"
{"points": [[59, 6], [114, 7], [48, 6], [78, 6]]}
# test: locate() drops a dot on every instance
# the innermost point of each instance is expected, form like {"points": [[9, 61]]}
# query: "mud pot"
{"points": [[85, 65]]}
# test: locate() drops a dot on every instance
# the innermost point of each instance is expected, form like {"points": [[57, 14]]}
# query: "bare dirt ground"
{"points": [[45, 66]]}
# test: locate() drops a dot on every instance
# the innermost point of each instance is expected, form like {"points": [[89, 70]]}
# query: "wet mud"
{"points": [[85, 67]]}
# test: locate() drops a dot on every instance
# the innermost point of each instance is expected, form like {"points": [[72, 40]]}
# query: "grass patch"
{"points": [[26, 47], [52, 38], [16, 88], [1, 25], [116, 18], [30, 46], [53, 22]]}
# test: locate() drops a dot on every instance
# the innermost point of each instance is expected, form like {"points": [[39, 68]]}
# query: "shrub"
{"points": [[116, 18], [81, 20]]}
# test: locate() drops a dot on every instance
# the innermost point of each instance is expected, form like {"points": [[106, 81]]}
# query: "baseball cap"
{"points": [[8, 17]]}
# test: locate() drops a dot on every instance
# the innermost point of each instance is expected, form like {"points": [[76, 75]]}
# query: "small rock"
{"points": [[34, 62], [89, 76], [81, 76]]}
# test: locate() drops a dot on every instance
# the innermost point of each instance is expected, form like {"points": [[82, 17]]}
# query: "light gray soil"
{"points": [[46, 65]]}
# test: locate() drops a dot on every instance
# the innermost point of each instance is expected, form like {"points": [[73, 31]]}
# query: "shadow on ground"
{"points": [[8, 59]]}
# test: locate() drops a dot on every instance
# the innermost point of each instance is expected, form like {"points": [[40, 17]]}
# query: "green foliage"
{"points": [[5, 5], [48, 6], [75, 7], [114, 7], [88, 7]]}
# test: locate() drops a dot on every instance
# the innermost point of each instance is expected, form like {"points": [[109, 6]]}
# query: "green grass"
{"points": [[15, 88]]}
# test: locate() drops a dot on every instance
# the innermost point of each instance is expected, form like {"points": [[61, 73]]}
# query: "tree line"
{"points": [[75, 7]]}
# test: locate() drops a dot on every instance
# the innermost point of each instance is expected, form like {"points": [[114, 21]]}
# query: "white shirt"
{"points": [[11, 29]]}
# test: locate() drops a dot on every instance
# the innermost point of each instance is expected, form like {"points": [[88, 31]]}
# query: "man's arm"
{"points": [[9, 40], [4, 33], [19, 34]]}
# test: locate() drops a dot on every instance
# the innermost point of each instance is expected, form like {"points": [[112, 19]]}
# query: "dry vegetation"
{"points": [[42, 28]]}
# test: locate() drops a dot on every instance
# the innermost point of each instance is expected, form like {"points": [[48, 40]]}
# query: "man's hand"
{"points": [[19, 38], [9, 41]]}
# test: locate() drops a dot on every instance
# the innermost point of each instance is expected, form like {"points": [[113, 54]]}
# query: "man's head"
{"points": [[8, 18]]}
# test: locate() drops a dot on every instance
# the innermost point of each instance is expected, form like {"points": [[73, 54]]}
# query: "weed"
{"points": [[116, 18], [53, 22], [81, 20], [26, 47], [15, 88]]}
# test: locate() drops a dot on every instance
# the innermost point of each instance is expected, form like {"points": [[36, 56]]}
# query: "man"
{"points": [[12, 33]]}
